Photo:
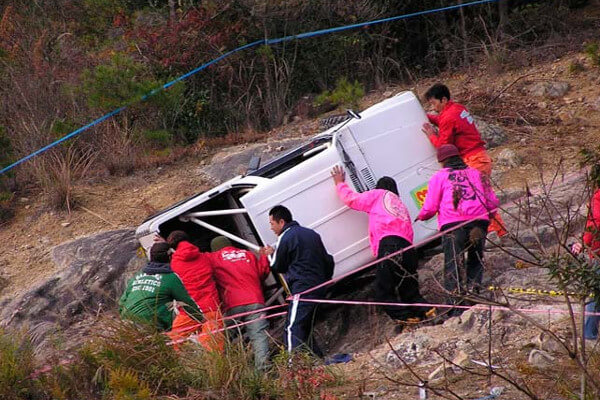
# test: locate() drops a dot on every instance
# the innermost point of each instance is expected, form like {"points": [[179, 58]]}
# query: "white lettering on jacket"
{"points": [[465, 115]]}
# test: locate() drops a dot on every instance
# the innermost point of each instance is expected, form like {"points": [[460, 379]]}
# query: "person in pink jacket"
{"points": [[390, 230], [457, 194]]}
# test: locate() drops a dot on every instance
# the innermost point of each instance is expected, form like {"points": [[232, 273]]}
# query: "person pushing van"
{"points": [[302, 257], [150, 292], [458, 193], [457, 127], [239, 276], [195, 270], [390, 230]]}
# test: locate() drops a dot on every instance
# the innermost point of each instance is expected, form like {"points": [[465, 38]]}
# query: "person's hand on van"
{"points": [[159, 239], [428, 129], [266, 251], [338, 174]]}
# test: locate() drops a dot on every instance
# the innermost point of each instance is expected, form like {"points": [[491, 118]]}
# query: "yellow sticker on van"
{"points": [[418, 194]]}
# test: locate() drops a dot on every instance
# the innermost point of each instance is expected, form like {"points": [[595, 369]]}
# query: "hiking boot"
{"points": [[412, 320], [431, 313]]}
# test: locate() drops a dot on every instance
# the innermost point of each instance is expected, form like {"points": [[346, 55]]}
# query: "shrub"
{"points": [[16, 367], [593, 52], [159, 139], [58, 170], [576, 67], [345, 93], [6, 158]]}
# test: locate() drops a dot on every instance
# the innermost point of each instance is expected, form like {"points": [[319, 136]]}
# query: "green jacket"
{"points": [[150, 293]]}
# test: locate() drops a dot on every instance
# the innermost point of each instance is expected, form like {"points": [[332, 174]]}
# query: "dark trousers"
{"points": [[470, 240], [299, 324], [396, 279]]}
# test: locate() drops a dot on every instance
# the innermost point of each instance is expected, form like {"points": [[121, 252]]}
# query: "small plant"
{"points": [[59, 169], [592, 50], [575, 67], [345, 93], [158, 139], [126, 385], [16, 366]]}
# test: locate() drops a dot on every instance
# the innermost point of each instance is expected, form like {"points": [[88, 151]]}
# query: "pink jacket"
{"points": [[388, 216], [468, 188]]}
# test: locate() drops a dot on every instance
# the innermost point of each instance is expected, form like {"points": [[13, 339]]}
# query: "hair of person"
{"points": [[595, 176], [219, 242], [454, 162], [177, 237], [281, 213], [437, 91], [387, 183], [159, 252]]}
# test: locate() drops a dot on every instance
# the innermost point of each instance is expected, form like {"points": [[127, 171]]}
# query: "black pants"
{"points": [[397, 280], [456, 243], [299, 323]]}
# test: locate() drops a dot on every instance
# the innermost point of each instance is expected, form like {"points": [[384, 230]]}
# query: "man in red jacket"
{"points": [[239, 276], [591, 236], [591, 239], [195, 270], [456, 126]]}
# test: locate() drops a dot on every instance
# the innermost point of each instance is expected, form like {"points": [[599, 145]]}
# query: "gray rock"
{"points": [[410, 350], [494, 135], [461, 360], [508, 158], [549, 89], [441, 372], [540, 359], [93, 274], [545, 342]]}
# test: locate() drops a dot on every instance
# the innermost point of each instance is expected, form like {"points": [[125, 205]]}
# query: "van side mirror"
{"points": [[353, 114], [253, 165]]}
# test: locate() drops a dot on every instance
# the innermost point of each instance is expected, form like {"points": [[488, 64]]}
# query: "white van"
{"points": [[384, 140]]}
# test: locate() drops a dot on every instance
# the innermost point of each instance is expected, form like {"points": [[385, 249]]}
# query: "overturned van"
{"points": [[384, 140]]}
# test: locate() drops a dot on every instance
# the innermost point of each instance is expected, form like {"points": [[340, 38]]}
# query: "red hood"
{"points": [[186, 252]]}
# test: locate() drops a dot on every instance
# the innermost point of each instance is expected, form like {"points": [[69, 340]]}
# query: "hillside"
{"points": [[547, 102], [542, 131]]}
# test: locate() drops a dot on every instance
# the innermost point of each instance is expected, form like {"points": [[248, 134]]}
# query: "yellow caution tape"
{"points": [[533, 291]]}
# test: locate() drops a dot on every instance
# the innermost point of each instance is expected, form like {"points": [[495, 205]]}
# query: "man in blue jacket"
{"points": [[302, 257]]}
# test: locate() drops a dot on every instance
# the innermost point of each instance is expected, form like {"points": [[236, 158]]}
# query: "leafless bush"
{"points": [[59, 169], [118, 149]]}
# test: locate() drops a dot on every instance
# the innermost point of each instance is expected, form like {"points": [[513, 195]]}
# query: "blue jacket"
{"points": [[302, 257]]}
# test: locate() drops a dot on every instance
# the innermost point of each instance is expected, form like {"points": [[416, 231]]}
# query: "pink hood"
{"points": [[468, 188]]}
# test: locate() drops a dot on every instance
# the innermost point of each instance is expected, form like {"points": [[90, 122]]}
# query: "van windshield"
{"points": [[293, 158], [237, 224]]}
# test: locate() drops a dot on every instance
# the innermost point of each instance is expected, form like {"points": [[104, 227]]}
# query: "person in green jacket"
{"points": [[151, 292]]}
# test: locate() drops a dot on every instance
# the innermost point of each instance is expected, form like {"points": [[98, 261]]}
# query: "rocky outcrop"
{"points": [[494, 135], [93, 273], [549, 89]]}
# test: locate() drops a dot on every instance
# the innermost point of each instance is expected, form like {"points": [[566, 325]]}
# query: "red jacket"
{"points": [[591, 236], [239, 275], [456, 126], [195, 271]]}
